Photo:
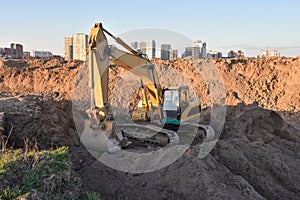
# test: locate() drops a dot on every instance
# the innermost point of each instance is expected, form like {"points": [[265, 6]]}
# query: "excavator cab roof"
{"points": [[177, 87]]}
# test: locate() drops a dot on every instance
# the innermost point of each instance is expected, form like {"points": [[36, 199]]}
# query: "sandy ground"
{"points": [[256, 157]]}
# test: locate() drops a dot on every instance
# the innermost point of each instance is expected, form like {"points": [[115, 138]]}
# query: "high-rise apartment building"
{"points": [[68, 47], [13, 49], [75, 47], [148, 48], [150, 51], [134, 45], [19, 51], [195, 50], [203, 50], [16, 50], [142, 46], [213, 54], [165, 51], [173, 53], [7, 51], [80, 42], [40, 54], [192, 51]]}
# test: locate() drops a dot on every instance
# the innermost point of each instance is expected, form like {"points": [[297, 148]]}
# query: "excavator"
{"points": [[159, 114]]}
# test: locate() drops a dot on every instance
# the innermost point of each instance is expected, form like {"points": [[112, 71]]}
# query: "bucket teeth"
{"points": [[113, 146]]}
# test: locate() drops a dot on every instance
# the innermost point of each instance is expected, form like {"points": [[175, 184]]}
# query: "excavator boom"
{"points": [[99, 53]]}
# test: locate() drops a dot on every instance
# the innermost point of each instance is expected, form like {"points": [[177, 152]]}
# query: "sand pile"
{"points": [[271, 82], [38, 76]]}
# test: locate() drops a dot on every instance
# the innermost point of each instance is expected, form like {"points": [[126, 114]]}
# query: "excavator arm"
{"points": [[101, 132], [99, 53]]}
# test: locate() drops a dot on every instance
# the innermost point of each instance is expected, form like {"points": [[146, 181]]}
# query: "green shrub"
{"points": [[48, 173], [90, 196]]}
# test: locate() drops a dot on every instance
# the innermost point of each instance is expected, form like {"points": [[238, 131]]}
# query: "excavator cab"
{"points": [[175, 101]]}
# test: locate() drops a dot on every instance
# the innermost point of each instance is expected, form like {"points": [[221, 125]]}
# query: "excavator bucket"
{"points": [[109, 138]]}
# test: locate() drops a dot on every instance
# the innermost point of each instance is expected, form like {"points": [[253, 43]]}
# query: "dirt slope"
{"points": [[38, 76], [273, 83]]}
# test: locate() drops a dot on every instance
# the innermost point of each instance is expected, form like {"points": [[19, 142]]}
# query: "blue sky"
{"points": [[251, 25]]}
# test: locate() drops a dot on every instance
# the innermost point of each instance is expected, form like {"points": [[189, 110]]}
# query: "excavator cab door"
{"points": [[175, 101], [184, 98]]}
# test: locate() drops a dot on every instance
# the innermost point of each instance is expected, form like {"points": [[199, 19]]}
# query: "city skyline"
{"points": [[250, 26], [75, 49]]}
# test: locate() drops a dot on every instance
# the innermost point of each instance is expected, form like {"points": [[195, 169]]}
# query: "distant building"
{"points": [[195, 50], [203, 50], [192, 51], [219, 54], [268, 53], [142, 46], [16, 50], [173, 53], [165, 51], [75, 47], [148, 48], [1, 52], [68, 48], [214, 54], [134, 45], [189, 51], [276, 53], [58, 57], [26, 54], [40, 54], [240, 53], [150, 51], [80, 42], [232, 54], [19, 50], [12, 50], [7, 51]]}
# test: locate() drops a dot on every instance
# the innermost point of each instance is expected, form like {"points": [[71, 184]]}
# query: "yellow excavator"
{"points": [[160, 113]]}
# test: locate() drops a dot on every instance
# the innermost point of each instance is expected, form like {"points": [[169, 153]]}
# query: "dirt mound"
{"points": [[255, 158], [38, 76], [272, 83]]}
